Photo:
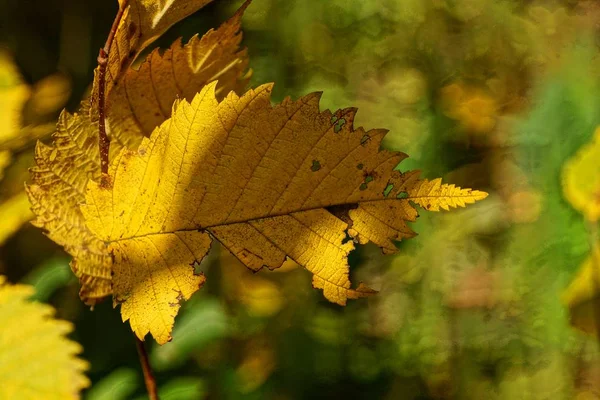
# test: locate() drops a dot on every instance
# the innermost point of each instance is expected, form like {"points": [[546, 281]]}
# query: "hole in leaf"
{"points": [[387, 190], [316, 165], [338, 125], [402, 195], [360, 166], [363, 186], [365, 139]]}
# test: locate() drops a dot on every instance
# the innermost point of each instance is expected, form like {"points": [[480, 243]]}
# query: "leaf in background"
{"points": [[13, 96], [581, 179], [184, 388], [14, 212], [296, 189], [582, 293], [118, 385], [144, 98], [202, 321], [23, 113], [475, 110], [37, 361], [49, 95], [25, 109], [48, 277], [258, 363]]}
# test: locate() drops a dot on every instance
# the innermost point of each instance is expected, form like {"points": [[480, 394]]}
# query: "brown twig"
{"points": [[148, 376], [103, 141]]}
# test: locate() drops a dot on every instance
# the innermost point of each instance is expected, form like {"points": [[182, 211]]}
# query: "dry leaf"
{"points": [[146, 20], [142, 22], [37, 361], [144, 98]]}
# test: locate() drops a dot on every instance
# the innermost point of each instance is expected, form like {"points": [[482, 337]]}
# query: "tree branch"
{"points": [[103, 141]]}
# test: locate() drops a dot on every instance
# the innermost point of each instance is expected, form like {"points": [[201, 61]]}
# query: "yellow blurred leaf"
{"points": [[260, 296], [37, 361], [49, 95], [586, 284], [474, 109], [258, 364], [581, 179], [17, 100], [13, 95], [14, 212], [5, 158]]}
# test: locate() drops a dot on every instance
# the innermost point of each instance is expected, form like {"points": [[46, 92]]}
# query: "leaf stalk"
{"points": [[146, 369]]}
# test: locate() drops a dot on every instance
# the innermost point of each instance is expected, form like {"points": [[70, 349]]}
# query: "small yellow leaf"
{"points": [[433, 195], [581, 179], [37, 361]]}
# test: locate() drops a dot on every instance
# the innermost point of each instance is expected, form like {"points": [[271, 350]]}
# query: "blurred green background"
{"points": [[498, 95]]}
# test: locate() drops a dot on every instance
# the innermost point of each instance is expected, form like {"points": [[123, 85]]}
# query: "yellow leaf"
{"points": [[59, 179], [14, 212], [49, 95], [20, 104], [37, 361], [144, 98], [581, 179], [13, 95], [586, 284], [433, 195], [475, 110], [5, 159], [266, 182]]}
